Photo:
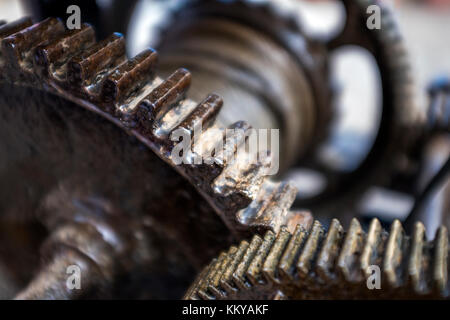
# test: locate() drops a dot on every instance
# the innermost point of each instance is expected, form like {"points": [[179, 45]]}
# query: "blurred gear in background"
{"points": [[273, 71]]}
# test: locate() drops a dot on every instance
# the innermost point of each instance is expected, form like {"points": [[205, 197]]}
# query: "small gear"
{"points": [[318, 264]]}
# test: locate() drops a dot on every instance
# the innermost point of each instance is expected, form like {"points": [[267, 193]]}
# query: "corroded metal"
{"points": [[86, 138], [314, 263], [86, 134]]}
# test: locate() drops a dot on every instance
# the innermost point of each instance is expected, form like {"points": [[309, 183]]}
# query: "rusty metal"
{"points": [[314, 263], [87, 154], [86, 138]]}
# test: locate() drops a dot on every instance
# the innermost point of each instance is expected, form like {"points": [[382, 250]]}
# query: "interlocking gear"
{"points": [[316, 263]]}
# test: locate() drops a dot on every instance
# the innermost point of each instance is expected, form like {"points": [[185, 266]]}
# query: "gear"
{"points": [[317, 264], [87, 134], [402, 122], [78, 121]]}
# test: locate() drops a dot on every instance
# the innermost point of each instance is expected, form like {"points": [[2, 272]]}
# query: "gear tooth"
{"points": [[53, 56], [440, 271], [203, 288], [88, 68], [279, 296], [432, 256], [305, 262], [415, 263], [286, 266], [210, 142], [7, 29], [299, 217], [348, 260], [276, 252], [394, 254], [270, 210], [241, 268], [235, 137], [330, 251], [18, 48], [214, 286], [217, 147], [203, 115], [227, 276], [204, 148], [192, 293], [371, 247], [129, 76], [198, 119], [163, 97], [253, 272], [221, 150], [243, 177]]}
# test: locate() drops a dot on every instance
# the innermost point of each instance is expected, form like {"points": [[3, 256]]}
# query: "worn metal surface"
{"points": [[85, 139], [314, 263]]}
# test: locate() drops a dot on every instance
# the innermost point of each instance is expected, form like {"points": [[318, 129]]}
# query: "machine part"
{"points": [[432, 204], [439, 112], [280, 90], [266, 60], [87, 138], [87, 150], [333, 264]]}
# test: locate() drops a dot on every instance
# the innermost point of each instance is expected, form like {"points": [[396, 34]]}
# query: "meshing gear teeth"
{"points": [[324, 264], [72, 64]]}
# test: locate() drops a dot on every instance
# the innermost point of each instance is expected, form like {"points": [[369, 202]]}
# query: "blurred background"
{"points": [[424, 25]]}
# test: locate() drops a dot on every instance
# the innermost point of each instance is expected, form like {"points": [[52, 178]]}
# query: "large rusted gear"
{"points": [[86, 135], [315, 263]]}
